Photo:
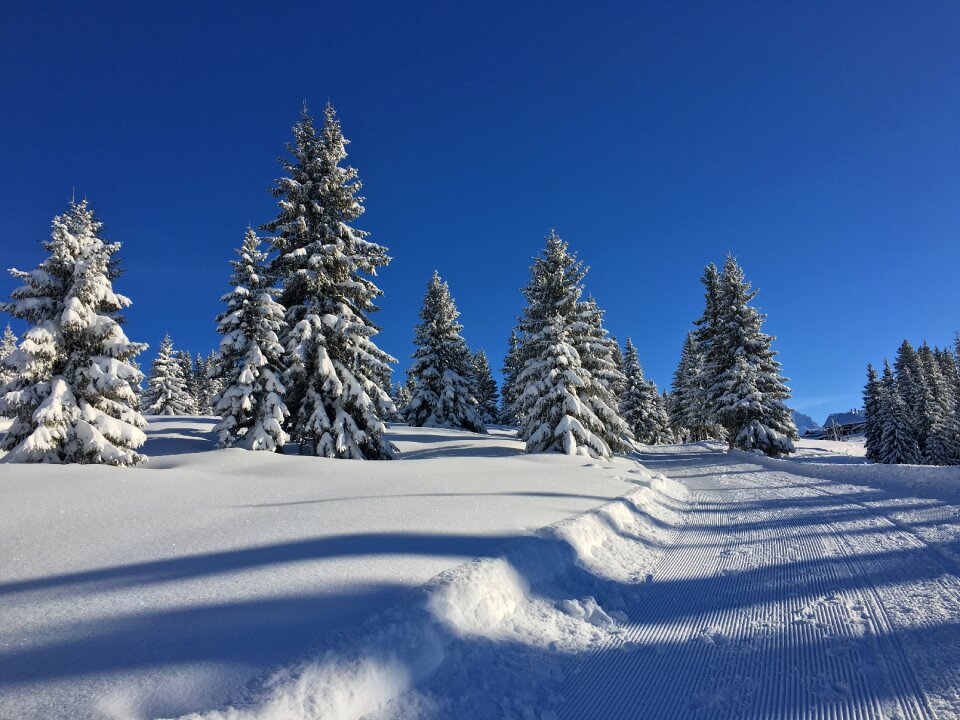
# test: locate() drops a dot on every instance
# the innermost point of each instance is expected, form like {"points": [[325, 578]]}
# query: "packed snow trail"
{"points": [[783, 596]]}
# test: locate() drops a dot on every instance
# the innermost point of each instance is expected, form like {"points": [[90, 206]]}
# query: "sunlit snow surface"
{"points": [[164, 589], [472, 580]]}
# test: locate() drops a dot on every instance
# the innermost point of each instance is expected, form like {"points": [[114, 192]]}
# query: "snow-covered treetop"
{"points": [[318, 248], [555, 285]]}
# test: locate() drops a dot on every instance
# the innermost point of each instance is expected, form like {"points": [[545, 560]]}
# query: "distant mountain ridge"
{"points": [[804, 422]]}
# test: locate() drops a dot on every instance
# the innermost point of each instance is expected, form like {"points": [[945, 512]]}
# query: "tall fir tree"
{"points": [[485, 389], [73, 395], [442, 369], [685, 391], [748, 393], [696, 372], [898, 446], [942, 446], [708, 327], [912, 390], [251, 404], [401, 394], [167, 392], [334, 371], [512, 366], [596, 349], [616, 354], [202, 384], [873, 431], [559, 403], [185, 358], [641, 405], [214, 381]]}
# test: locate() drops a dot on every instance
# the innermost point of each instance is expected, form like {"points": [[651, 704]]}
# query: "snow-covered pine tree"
{"points": [[485, 389], [898, 446], [686, 390], [558, 401], [672, 435], [214, 383], [512, 366], [7, 346], [911, 387], [616, 354], [641, 405], [202, 384], [401, 394], [334, 370], [597, 355], [707, 373], [251, 404], [942, 446], [166, 392], [73, 395], [442, 369], [748, 393], [696, 373], [556, 417], [185, 358], [871, 406]]}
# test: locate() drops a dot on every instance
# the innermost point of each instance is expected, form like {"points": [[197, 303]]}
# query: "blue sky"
{"points": [[819, 141]]}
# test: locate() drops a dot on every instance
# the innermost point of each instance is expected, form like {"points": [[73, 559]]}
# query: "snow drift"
{"points": [[469, 642]]}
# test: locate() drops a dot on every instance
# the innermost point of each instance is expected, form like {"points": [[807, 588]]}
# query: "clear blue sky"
{"points": [[819, 141]]}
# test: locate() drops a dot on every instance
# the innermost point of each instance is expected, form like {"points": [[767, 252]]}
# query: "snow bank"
{"points": [[491, 637]]}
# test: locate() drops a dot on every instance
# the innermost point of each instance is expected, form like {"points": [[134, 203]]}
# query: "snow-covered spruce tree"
{"points": [[7, 346], [185, 358], [512, 366], [166, 392], [202, 384], [748, 393], [442, 369], [401, 394], [250, 358], [597, 355], [942, 446], [73, 392], [616, 354], [559, 403], [685, 412], [485, 389], [871, 406], [214, 382], [556, 418], [912, 389], [696, 372], [641, 405], [898, 446], [334, 370]]}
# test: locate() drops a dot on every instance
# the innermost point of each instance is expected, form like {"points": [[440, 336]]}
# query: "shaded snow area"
{"points": [[167, 589], [470, 580]]}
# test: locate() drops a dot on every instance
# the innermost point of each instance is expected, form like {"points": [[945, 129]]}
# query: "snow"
{"points": [[469, 579], [164, 589]]}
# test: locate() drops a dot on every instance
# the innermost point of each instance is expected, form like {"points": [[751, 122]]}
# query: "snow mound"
{"points": [[489, 638]]}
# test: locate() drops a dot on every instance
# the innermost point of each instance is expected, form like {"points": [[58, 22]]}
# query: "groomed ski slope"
{"points": [[698, 584], [788, 594]]}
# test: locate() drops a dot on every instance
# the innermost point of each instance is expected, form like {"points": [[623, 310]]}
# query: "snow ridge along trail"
{"points": [[780, 599], [491, 638]]}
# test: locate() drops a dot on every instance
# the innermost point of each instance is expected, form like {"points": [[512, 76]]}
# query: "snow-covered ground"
{"points": [[164, 589], [472, 580]]}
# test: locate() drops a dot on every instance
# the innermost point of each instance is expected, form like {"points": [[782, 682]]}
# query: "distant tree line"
{"points": [[912, 409]]}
